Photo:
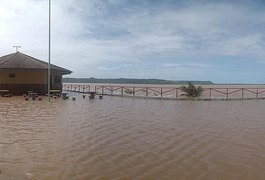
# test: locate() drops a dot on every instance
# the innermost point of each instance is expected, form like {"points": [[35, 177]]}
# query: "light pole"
{"points": [[49, 64]]}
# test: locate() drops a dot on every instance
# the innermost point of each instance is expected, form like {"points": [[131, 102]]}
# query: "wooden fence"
{"points": [[168, 92]]}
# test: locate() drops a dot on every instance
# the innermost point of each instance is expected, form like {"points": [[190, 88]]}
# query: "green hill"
{"points": [[132, 81]]}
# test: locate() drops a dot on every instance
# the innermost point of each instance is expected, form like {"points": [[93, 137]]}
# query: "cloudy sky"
{"points": [[221, 41]]}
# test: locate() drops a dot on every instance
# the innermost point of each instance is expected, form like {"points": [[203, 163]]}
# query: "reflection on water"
{"points": [[126, 138]]}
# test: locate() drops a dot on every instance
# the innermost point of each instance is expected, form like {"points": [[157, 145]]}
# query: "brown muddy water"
{"points": [[127, 138]]}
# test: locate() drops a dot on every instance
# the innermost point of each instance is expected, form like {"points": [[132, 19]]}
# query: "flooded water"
{"points": [[127, 138]]}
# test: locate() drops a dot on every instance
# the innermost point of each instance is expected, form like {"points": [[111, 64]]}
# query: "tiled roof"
{"points": [[19, 60]]}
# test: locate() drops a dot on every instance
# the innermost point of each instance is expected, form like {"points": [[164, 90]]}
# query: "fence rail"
{"points": [[168, 92], [76, 88]]}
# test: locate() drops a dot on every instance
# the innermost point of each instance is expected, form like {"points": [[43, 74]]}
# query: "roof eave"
{"points": [[38, 69]]}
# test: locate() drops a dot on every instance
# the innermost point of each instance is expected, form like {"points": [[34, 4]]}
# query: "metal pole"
{"points": [[49, 64], [17, 48]]}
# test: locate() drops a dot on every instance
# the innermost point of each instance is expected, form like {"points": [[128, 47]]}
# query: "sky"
{"points": [[218, 41]]}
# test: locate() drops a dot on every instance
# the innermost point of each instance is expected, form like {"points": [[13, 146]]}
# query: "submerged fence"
{"points": [[168, 92]]}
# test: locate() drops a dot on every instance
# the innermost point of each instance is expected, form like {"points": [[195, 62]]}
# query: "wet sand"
{"points": [[127, 138]]}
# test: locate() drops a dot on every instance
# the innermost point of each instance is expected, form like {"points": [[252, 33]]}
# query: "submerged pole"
{"points": [[49, 64]]}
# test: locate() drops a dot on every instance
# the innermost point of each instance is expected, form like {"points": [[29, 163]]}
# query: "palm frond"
{"points": [[191, 91]]}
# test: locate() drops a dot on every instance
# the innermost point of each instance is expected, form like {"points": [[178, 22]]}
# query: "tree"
{"points": [[191, 91]]}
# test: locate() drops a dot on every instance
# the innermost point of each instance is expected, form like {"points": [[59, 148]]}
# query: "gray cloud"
{"points": [[95, 33]]}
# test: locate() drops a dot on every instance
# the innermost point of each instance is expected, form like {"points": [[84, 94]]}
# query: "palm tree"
{"points": [[191, 91]]}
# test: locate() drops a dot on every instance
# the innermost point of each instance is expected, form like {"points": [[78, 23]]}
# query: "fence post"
{"points": [[161, 93], [102, 89], [177, 92], [122, 91], [111, 89], [210, 93], [133, 91], [242, 93], [226, 93], [257, 96], [146, 94]]}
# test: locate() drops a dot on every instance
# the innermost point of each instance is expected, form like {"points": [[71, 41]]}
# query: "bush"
{"points": [[191, 91]]}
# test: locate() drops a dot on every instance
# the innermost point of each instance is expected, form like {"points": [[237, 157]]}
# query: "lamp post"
{"points": [[49, 64]]}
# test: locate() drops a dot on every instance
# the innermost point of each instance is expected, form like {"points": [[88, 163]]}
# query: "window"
{"points": [[12, 75]]}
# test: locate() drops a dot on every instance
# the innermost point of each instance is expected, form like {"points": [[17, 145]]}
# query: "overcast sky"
{"points": [[221, 41]]}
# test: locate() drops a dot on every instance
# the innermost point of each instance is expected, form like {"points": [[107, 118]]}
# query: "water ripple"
{"points": [[126, 138]]}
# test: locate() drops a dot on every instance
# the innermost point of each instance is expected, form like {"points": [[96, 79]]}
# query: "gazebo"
{"points": [[20, 73]]}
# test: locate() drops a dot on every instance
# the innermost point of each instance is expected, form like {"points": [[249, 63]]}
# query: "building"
{"points": [[20, 73]]}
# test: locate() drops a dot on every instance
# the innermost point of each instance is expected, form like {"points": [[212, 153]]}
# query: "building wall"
{"points": [[23, 77], [56, 81], [20, 89], [20, 82]]}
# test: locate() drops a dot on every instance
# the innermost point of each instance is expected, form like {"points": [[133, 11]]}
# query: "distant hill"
{"points": [[131, 81]]}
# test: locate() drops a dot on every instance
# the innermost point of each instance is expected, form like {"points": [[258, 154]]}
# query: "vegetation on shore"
{"points": [[191, 91], [132, 81]]}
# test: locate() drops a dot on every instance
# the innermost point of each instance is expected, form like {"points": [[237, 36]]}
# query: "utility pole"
{"points": [[16, 47], [49, 64]]}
